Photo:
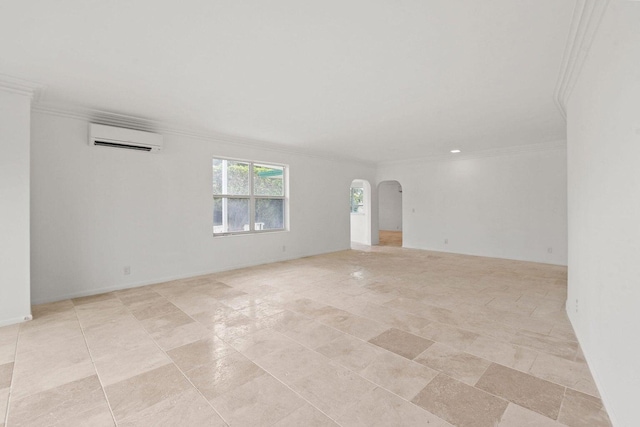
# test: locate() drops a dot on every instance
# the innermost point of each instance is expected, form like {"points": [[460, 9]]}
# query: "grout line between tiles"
{"points": [[86, 343], [15, 359], [331, 362], [290, 267], [169, 358]]}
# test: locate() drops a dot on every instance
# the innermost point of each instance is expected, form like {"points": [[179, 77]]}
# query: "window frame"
{"points": [[362, 205], [253, 197]]}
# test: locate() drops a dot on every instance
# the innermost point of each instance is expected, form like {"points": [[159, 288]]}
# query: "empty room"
{"points": [[330, 213]]}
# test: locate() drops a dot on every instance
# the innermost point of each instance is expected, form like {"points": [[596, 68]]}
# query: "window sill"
{"points": [[249, 233]]}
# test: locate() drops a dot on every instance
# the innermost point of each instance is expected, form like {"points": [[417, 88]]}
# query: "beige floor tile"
{"points": [[332, 389], [185, 409], [218, 315], [182, 335], [457, 364], [193, 303], [260, 311], [565, 372], [291, 363], [511, 306], [46, 368], [199, 353], [242, 301], [48, 309], [264, 398], [32, 383], [580, 356], [579, 409], [136, 394], [98, 416], [351, 324], [93, 298], [30, 339], [49, 320], [460, 404], [7, 353], [522, 389], [449, 335], [306, 331], [6, 372], [223, 375], [98, 314], [517, 416], [141, 300], [119, 366], [166, 322], [4, 401], [305, 306], [402, 343], [350, 352], [124, 334], [546, 344], [392, 318], [381, 408], [261, 343], [307, 416], [239, 329], [57, 404], [397, 374], [159, 308], [484, 327], [504, 353], [9, 334], [8, 343], [564, 333]]}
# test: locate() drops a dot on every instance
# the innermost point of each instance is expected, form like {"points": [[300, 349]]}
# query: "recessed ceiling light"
{"points": [[455, 151]]}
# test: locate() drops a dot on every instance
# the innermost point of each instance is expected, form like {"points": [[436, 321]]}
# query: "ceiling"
{"points": [[376, 80]]}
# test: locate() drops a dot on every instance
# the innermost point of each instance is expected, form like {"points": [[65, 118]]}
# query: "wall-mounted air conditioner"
{"points": [[110, 136]]}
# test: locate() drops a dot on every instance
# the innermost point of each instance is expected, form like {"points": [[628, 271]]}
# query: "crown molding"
{"points": [[151, 125], [555, 145], [587, 16], [21, 87]]}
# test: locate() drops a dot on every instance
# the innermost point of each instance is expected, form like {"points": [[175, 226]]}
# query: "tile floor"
{"points": [[382, 336]]}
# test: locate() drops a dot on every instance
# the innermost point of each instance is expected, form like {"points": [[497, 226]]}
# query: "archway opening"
{"points": [[390, 213]]}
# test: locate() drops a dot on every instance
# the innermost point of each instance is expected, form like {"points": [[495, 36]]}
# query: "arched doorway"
{"points": [[390, 213], [360, 207]]}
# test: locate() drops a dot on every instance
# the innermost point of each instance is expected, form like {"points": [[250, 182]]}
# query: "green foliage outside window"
{"points": [[357, 200]]}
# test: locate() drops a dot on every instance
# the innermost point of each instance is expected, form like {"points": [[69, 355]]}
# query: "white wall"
{"points": [[390, 206], [14, 208], [96, 210], [604, 210], [509, 206]]}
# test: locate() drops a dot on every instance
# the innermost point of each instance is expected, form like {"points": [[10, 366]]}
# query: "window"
{"points": [[248, 197], [357, 200]]}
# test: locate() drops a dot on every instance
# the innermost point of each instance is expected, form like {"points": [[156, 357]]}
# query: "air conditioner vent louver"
{"points": [[116, 145], [115, 137]]}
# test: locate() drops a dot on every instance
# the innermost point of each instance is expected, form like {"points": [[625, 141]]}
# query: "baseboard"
{"points": [[14, 320], [119, 287], [481, 255]]}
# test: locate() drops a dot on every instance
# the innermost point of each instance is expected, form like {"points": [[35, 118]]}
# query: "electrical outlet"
{"points": [[413, 210], [550, 250], [284, 248], [576, 305], [446, 241], [127, 270]]}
